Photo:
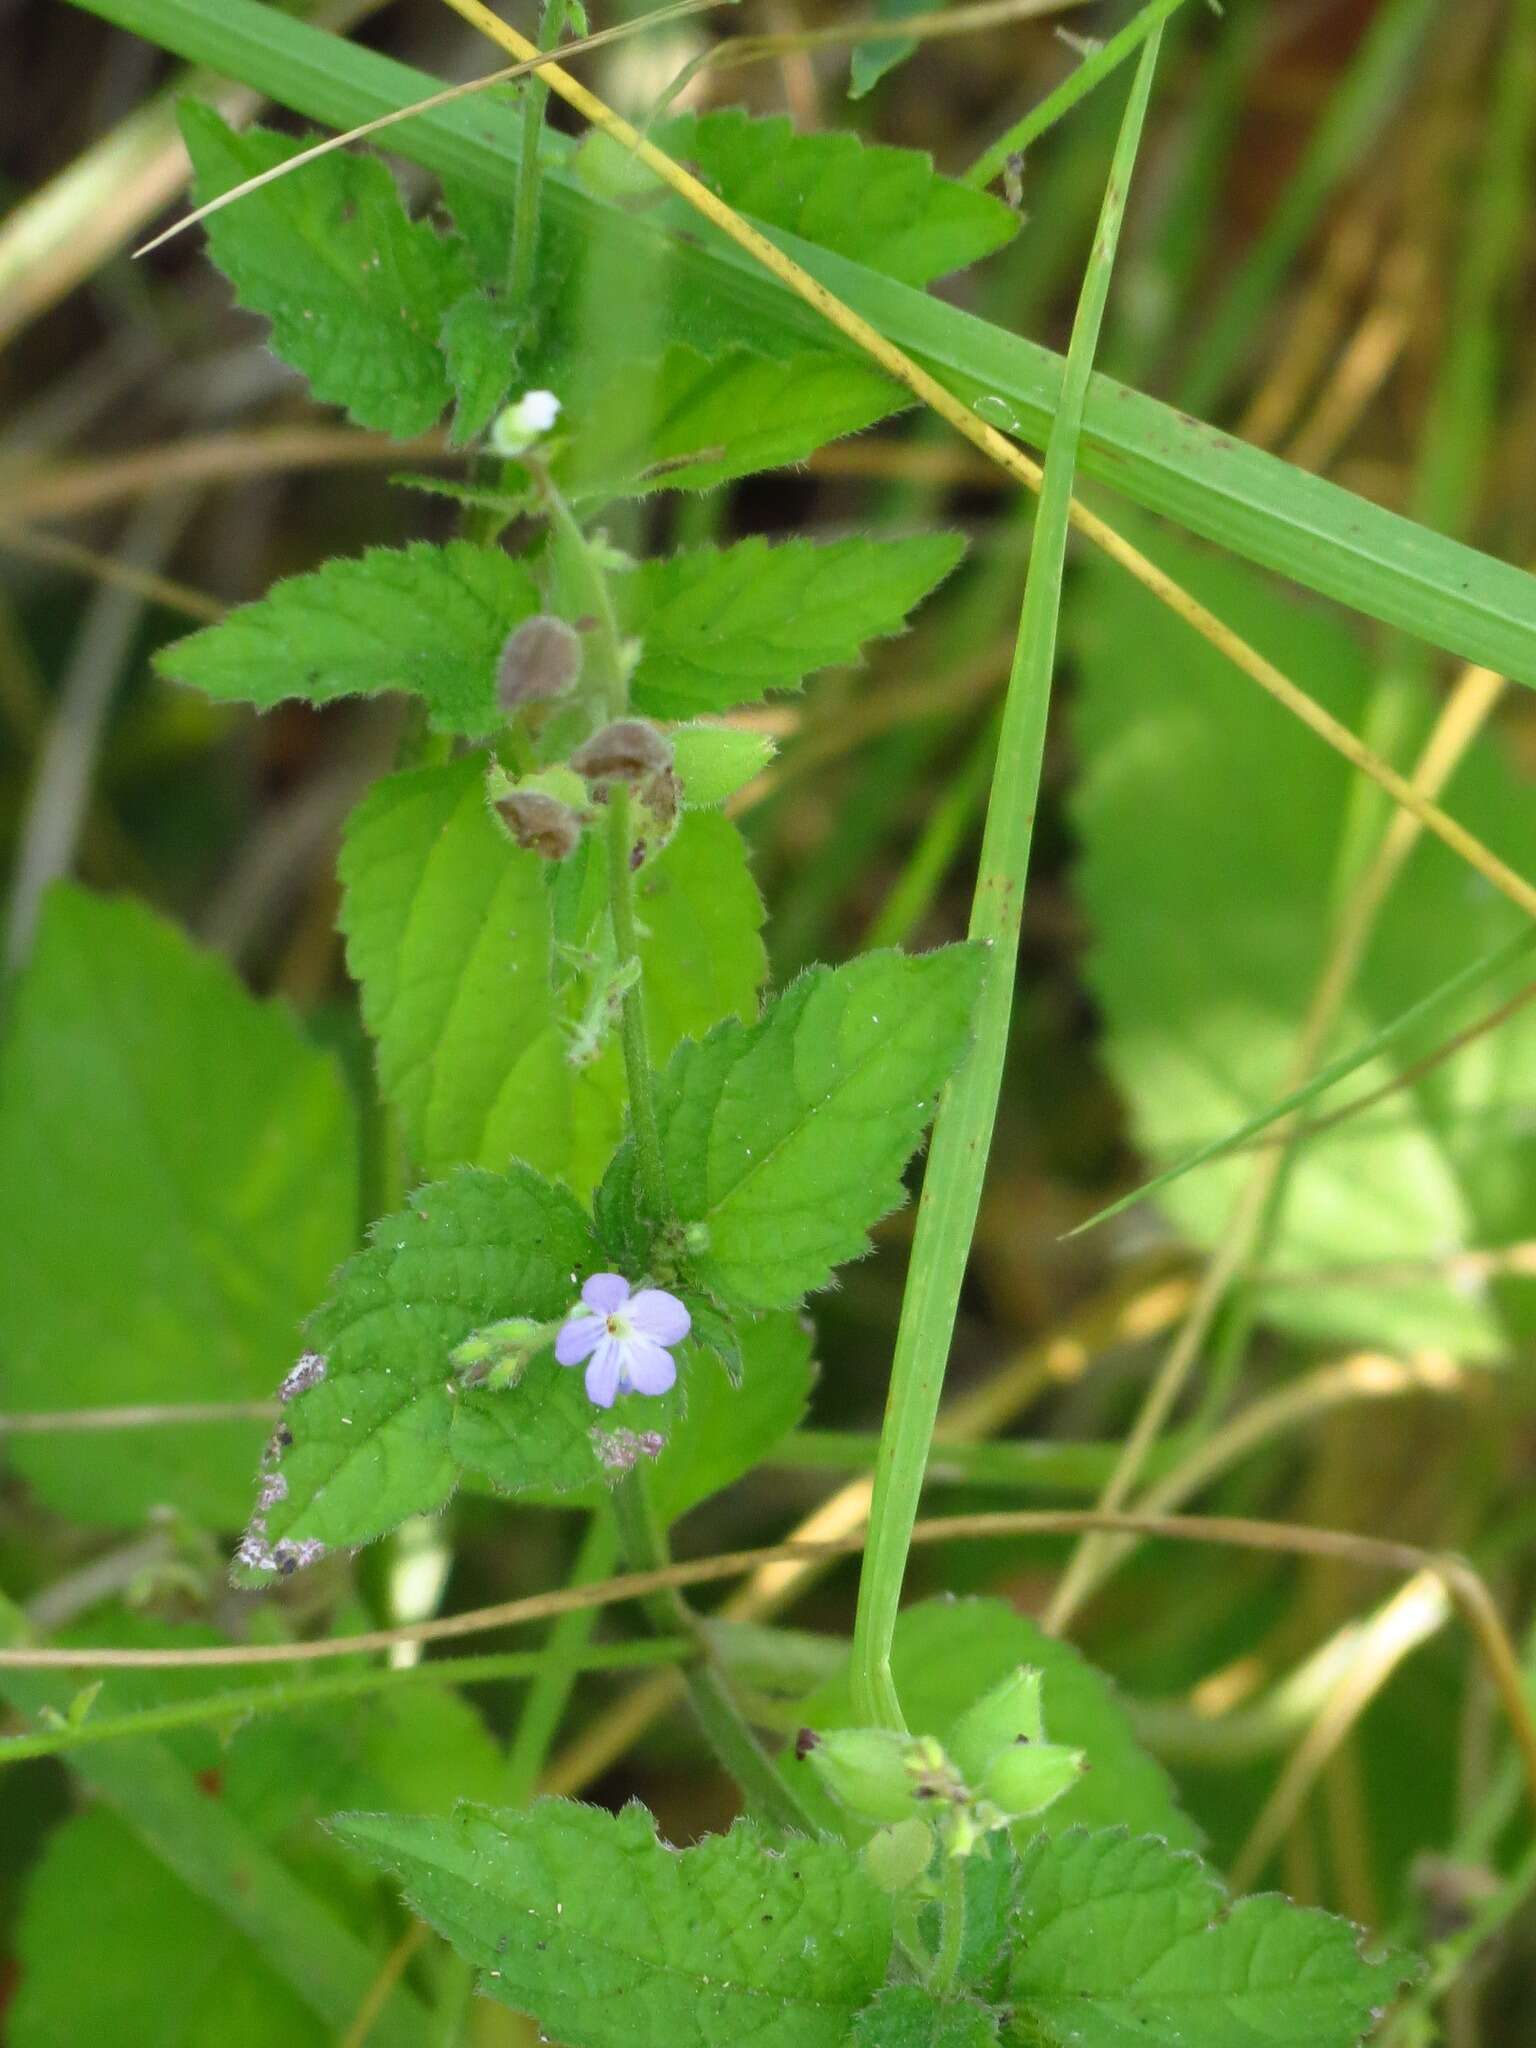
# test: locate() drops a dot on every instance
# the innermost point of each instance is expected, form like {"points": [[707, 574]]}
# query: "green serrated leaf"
{"points": [[1205, 987], [907, 2016], [479, 338], [611, 1939], [687, 421], [177, 1181], [884, 207], [784, 1141], [355, 290], [371, 1438], [722, 626], [1120, 1940], [429, 621], [451, 932], [946, 1654]]}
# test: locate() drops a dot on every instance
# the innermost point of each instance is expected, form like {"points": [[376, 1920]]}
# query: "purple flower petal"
{"points": [[658, 1315], [577, 1338], [606, 1372], [606, 1293], [648, 1369]]}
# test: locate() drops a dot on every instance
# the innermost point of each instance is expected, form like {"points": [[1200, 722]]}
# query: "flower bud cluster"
{"points": [[998, 1768]]}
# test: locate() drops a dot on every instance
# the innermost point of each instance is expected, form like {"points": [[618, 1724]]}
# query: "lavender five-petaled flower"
{"points": [[624, 1337]]}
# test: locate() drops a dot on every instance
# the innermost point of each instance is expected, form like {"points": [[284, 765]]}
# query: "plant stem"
{"points": [[525, 221], [962, 1132], [727, 1734], [946, 1964], [607, 646], [637, 1057], [560, 1664]]}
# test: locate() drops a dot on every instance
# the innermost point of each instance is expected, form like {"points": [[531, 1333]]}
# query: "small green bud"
{"points": [[714, 761], [897, 1857], [1011, 1712], [878, 1774], [498, 1355], [1029, 1776]]}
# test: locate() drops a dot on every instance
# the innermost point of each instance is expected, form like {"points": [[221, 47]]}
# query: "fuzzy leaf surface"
{"points": [[1120, 1940], [356, 291], [887, 208], [429, 621], [785, 1141], [371, 1439], [686, 421], [613, 1940], [177, 1182], [451, 933], [908, 2016], [723, 626]]}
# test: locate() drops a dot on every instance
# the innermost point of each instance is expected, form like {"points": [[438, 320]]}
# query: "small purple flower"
{"points": [[624, 1336]]}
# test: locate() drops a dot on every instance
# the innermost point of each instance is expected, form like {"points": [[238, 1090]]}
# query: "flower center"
{"points": [[616, 1326]]}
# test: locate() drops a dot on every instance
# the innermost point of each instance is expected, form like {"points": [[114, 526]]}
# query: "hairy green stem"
{"points": [[962, 1133], [946, 1963], [637, 1057], [294, 1696], [727, 1733]]}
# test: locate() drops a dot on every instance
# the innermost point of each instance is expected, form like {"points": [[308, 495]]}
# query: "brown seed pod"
{"points": [[541, 822], [541, 658], [629, 750]]}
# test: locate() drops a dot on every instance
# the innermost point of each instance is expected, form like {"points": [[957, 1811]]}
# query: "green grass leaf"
{"points": [[688, 421], [1119, 1940], [355, 290], [885, 207], [946, 1654], [177, 1180], [785, 1141], [451, 932], [723, 626], [613, 1940], [429, 621], [907, 2016], [371, 1439], [1211, 826]]}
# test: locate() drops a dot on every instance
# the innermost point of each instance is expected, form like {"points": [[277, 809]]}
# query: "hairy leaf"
{"points": [[784, 1141], [686, 421], [721, 627], [370, 1439], [1212, 828], [177, 1181], [612, 1940], [1120, 1940], [907, 2016], [451, 932], [946, 1654], [426, 620], [355, 290], [887, 208], [480, 347]]}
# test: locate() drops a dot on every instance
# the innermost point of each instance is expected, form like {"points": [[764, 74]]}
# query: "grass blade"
{"points": [[957, 1162]]}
